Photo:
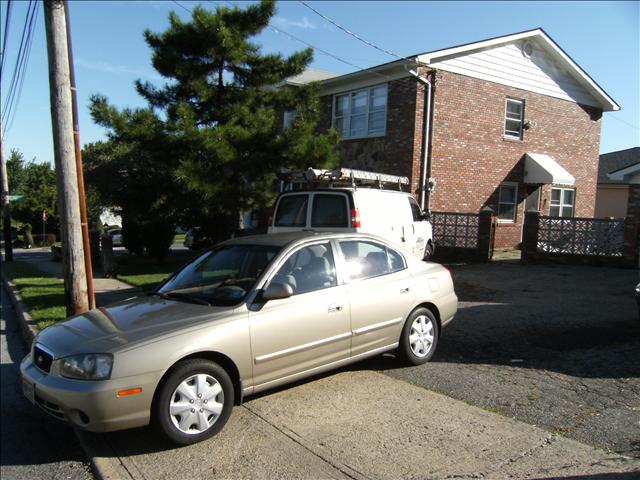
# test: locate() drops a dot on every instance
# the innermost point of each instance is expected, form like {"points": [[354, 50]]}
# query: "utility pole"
{"points": [[6, 208], [76, 140], [75, 279]]}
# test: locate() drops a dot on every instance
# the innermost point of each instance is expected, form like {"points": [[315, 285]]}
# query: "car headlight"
{"points": [[89, 366]]}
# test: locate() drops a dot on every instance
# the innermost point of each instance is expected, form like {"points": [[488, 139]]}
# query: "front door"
{"points": [[307, 330]]}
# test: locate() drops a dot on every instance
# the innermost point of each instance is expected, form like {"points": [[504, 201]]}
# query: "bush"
{"points": [[132, 235], [158, 236]]}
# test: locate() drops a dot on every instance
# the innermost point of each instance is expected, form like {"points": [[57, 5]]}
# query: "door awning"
{"points": [[540, 168]]}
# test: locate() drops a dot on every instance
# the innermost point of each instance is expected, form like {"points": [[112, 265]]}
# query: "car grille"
{"points": [[42, 359]]}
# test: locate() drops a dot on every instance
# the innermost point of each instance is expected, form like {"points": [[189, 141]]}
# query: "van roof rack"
{"points": [[342, 176]]}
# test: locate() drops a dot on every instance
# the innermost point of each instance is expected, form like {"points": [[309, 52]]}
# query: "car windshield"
{"points": [[222, 276]]}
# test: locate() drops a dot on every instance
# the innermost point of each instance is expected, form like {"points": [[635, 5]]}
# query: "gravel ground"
{"points": [[553, 346]]}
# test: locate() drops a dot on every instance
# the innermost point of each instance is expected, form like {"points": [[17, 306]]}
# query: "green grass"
{"points": [[146, 272], [42, 295]]}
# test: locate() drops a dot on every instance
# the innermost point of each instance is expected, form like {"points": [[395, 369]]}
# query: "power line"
{"points": [[623, 121], [355, 35], [30, 37], [21, 62], [293, 37], [7, 20]]}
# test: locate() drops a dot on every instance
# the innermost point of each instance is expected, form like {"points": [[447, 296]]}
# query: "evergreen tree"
{"points": [[217, 122]]}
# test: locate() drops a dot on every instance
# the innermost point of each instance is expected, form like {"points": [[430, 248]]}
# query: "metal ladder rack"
{"points": [[342, 177]]}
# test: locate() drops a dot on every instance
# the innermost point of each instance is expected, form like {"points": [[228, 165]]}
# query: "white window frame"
{"points": [[288, 118], [562, 204], [511, 133], [513, 185], [347, 114]]}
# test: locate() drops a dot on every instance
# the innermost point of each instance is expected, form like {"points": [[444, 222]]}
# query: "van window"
{"points": [[415, 210], [292, 211], [329, 211]]}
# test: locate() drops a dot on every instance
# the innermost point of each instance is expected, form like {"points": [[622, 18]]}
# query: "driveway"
{"points": [[553, 346]]}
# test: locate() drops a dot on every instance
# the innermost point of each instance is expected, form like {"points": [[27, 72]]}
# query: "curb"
{"points": [[104, 468]]}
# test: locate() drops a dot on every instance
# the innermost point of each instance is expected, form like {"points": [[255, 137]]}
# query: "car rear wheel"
{"points": [[428, 251], [194, 402], [419, 337]]}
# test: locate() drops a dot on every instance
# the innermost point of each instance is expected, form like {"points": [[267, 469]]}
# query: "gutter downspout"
{"points": [[426, 160]]}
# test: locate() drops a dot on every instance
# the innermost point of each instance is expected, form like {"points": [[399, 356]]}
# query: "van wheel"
{"points": [[428, 251]]}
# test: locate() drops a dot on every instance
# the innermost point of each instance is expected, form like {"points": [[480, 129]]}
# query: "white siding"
{"points": [[507, 65]]}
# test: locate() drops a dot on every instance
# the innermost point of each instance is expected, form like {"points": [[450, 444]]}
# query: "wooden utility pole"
{"points": [[76, 140], [6, 208], [75, 279]]}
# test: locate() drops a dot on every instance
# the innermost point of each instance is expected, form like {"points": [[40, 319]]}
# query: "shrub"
{"points": [[157, 237], [132, 235]]}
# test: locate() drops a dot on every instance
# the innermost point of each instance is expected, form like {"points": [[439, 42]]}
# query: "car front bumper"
{"points": [[88, 404]]}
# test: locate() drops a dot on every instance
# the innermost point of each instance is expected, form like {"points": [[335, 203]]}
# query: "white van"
{"points": [[393, 215]]}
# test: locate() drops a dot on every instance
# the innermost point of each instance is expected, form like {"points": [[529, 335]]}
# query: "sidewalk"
{"points": [[355, 424]]}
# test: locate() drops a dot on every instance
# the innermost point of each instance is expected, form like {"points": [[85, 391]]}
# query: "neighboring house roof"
{"points": [[310, 75], [630, 174], [528, 60], [616, 161]]}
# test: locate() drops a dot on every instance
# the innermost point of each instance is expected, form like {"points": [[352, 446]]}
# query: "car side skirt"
{"points": [[316, 370]]}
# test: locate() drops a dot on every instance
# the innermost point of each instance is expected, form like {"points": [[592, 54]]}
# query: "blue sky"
{"points": [[110, 52]]}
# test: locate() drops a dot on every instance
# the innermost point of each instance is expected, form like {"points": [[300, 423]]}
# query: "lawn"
{"points": [[43, 295], [146, 272]]}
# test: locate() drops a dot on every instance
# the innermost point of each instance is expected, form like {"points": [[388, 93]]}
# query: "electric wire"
{"points": [[355, 35], [7, 22], [21, 62], [30, 37], [299, 40]]}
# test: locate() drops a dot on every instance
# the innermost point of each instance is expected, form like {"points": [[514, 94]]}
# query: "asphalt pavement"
{"points": [[34, 445]]}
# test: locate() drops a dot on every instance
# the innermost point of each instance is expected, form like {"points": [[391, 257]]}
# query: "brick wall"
{"points": [[397, 152], [470, 156]]}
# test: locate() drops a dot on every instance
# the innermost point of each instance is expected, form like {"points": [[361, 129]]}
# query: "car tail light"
{"points": [[355, 218]]}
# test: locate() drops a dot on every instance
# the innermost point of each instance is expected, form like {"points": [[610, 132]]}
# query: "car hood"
{"points": [[119, 326]]}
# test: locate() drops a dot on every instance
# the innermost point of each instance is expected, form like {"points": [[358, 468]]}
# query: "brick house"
{"points": [[511, 123]]}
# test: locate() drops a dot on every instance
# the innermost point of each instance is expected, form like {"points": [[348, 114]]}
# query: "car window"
{"points": [[292, 211], [329, 211], [222, 276], [366, 259], [310, 268], [415, 210]]}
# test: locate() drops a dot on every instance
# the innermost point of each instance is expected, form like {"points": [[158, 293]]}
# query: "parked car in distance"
{"points": [[116, 236], [248, 315], [196, 239], [391, 214]]}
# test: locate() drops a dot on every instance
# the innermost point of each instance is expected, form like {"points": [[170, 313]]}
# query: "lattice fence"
{"points": [[581, 236], [455, 229]]}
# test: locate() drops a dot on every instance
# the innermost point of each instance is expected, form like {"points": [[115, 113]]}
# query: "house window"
{"points": [[289, 118], [562, 202], [361, 113], [513, 118], [507, 202]]}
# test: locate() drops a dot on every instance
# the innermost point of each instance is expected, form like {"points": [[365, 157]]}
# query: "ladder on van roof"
{"points": [[343, 176]]}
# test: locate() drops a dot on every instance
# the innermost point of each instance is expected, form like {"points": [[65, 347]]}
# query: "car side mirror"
{"points": [[426, 215], [277, 291]]}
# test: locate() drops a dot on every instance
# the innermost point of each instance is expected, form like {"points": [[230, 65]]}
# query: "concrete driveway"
{"points": [[553, 346]]}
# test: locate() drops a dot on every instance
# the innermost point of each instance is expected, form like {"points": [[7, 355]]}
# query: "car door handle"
{"points": [[335, 308], [404, 290]]}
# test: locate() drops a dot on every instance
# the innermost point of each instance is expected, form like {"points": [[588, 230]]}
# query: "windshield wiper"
{"points": [[182, 296]]}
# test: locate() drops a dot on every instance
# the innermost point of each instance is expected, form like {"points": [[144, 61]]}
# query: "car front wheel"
{"points": [[419, 337], [195, 402]]}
